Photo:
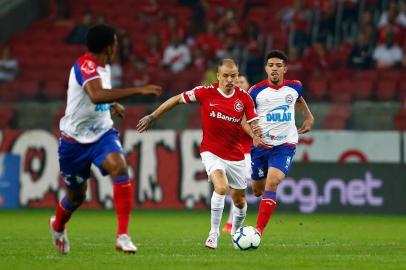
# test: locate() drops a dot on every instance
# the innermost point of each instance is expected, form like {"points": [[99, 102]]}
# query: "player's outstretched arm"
{"points": [[146, 122], [307, 114], [255, 131], [99, 95]]}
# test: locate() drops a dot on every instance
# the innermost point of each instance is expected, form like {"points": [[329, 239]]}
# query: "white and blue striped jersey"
{"points": [[85, 121], [275, 106]]}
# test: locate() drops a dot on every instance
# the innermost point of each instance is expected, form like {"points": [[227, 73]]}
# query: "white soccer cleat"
{"points": [[59, 239], [125, 244], [211, 241]]}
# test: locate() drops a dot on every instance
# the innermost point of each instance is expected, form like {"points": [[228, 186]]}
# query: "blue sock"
{"points": [[269, 194], [121, 179], [68, 205]]}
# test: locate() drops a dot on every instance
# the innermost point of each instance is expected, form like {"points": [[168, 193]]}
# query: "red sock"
{"points": [[123, 198], [62, 216], [266, 208]]}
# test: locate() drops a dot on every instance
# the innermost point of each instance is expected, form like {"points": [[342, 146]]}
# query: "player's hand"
{"points": [[118, 110], [145, 123], [257, 141], [256, 129], [150, 89], [306, 127]]}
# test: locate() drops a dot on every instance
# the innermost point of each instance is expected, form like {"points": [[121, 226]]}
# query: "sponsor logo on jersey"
{"points": [[88, 67], [102, 107], [213, 104], [238, 105], [221, 116], [289, 99], [275, 138], [279, 114]]}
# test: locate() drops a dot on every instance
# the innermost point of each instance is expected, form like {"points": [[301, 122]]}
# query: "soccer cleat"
{"points": [[125, 244], [59, 239], [227, 227], [211, 241]]}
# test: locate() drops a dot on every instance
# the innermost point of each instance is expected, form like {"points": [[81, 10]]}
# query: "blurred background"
{"points": [[349, 54]]}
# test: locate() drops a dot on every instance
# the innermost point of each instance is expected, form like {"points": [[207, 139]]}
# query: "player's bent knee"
{"points": [[257, 193], [257, 190], [79, 199], [221, 190], [119, 171], [240, 203]]}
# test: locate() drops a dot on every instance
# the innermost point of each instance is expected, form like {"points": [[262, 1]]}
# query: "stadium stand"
{"points": [[218, 29]]}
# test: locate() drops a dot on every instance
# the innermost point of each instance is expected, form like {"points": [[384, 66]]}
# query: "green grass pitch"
{"points": [[169, 239]]}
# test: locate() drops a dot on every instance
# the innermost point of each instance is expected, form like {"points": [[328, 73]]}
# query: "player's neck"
{"points": [[226, 92], [278, 83], [101, 58]]}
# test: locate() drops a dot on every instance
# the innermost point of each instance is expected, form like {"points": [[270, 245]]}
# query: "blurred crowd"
{"points": [[178, 43]]}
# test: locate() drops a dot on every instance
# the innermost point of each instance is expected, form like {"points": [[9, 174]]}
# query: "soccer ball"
{"points": [[246, 238]]}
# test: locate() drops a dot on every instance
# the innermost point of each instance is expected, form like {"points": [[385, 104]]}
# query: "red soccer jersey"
{"points": [[246, 142], [221, 116]]}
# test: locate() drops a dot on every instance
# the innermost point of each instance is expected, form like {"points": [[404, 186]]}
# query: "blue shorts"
{"points": [[279, 157], [75, 159]]}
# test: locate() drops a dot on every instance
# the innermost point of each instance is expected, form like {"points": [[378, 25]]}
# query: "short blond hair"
{"points": [[226, 62]]}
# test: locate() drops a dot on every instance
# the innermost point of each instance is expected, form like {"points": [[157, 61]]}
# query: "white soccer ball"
{"points": [[246, 238]]}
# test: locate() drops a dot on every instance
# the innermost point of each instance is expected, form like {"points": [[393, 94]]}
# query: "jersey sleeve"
{"points": [[85, 71], [197, 94], [250, 112], [297, 85]]}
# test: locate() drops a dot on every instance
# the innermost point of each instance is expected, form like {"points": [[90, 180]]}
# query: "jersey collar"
{"points": [[276, 87], [216, 85]]}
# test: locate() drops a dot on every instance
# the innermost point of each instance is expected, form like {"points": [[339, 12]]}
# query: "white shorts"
{"points": [[234, 170], [248, 171]]}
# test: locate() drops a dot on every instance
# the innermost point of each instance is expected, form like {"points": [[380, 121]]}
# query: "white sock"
{"points": [[217, 206], [230, 216], [238, 218]]}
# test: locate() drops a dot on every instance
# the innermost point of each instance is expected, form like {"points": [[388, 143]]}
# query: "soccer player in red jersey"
{"points": [[246, 142], [275, 100], [88, 136], [223, 106]]}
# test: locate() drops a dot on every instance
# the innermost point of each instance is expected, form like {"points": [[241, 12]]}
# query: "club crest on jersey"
{"points": [[238, 106], [289, 99], [88, 67]]}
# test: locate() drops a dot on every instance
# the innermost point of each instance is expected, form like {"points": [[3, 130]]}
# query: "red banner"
{"points": [[166, 165]]}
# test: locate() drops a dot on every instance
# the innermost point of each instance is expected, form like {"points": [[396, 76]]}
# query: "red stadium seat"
{"points": [[9, 91], [132, 115], [7, 114], [390, 74], [402, 92], [295, 75], [334, 123], [178, 84], [337, 117], [195, 121], [400, 120], [55, 89], [362, 89], [29, 88], [367, 75], [316, 88], [341, 91], [386, 90]]}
